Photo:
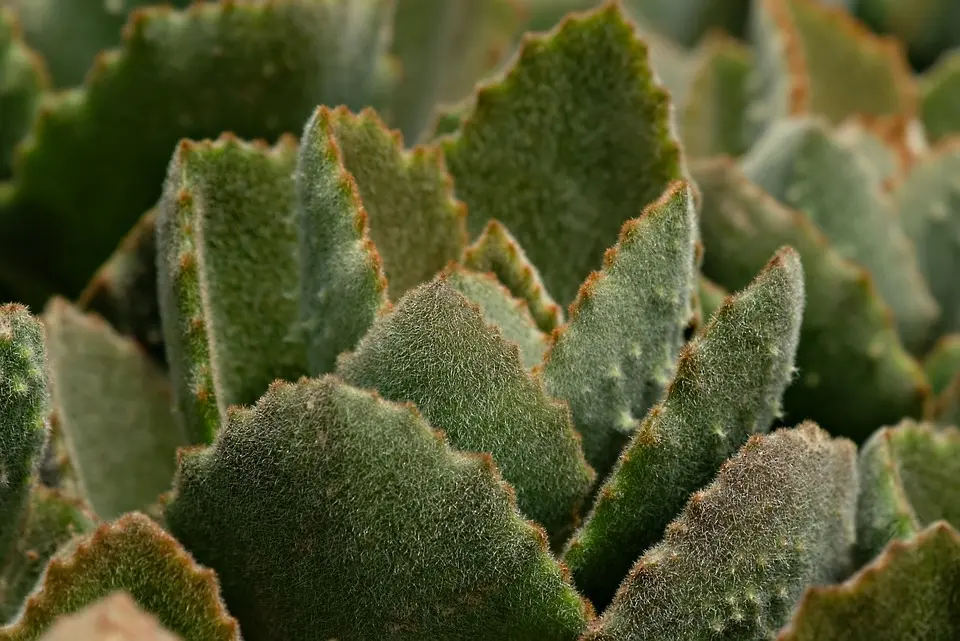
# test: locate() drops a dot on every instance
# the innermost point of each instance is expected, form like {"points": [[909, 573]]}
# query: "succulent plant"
{"points": [[640, 325]]}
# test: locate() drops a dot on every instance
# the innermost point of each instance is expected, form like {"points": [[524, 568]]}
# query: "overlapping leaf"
{"points": [[802, 165], [940, 98], [114, 408], [854, 373], [571, 142], [942, 363], [616, 355], [228, 283], [435, 350], [345, 472], [778, 516], [909, 592], [727, 387], [23, 77]]}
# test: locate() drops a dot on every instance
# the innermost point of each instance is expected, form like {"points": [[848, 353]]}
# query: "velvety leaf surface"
{"points": [[124, 289], [415, 223], [495, 250], [909, 593], [727, 387], [943, 362], [910, 477], [254, 68], [940, 98], [114, 407], [116, 617], [342, 281], [854, 374], [523, 155], [23, 77], [24, 406], [712, 116], [929, 202], [778, 516], [617, 353], [134, 555], [228, 276], [499, 307], [802, 165], [817, 59], [346, 471], [435, 350], [51, 519]]}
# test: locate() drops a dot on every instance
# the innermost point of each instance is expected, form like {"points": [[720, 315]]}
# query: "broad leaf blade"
{"points": [[617, 353], [778, 516], [521, 156], [345, 470], [727, 387], [435, 350]]}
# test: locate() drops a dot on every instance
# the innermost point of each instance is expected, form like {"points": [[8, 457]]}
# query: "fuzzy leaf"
{"points": [[942, 364], [343, 470], [909, 592], [116, 617], [910, 477], [228, 276], [854, 373], [255, 68], [435, 350], [495, 250], [124, 289], [24, 407], [23, 77], [415, 223], [135, 555], [50, 520], [871, 145], [940, 98], [498, 307], [813, 59], [711, 119], [114, 409], [929, 202], [778, 516], [803, 166], [727, 387], [521, 155], [617, 353]]}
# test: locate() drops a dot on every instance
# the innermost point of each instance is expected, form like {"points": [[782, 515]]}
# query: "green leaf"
{"points": [[23, 78], [711, 118], [929, 202], [113, 405], [711, 296], [253, 68], [495, 250], [228, 276], [686, 21], [813, 59], [727, 387], [617, 353], [926, 30], [435, 350], [116, 617], [124, 289], [24, 407], [942, 363], [854, 374], [801, 164], [940, 98], [778, 516], [910, 478], [51, 520], [415, 223], [909, 592], [870, 143], [522, 157], [134, 555], [499, 307], [346, 471]]}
